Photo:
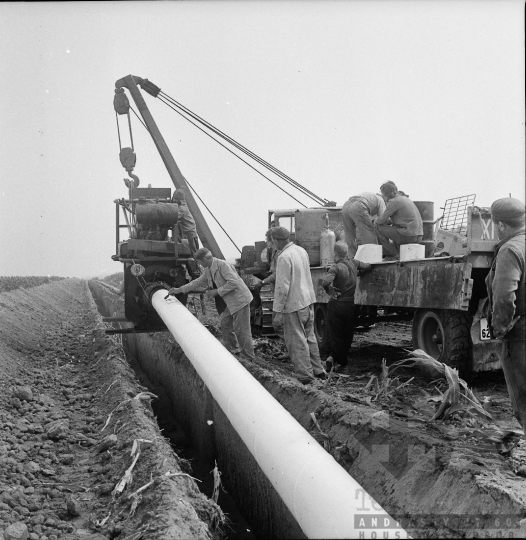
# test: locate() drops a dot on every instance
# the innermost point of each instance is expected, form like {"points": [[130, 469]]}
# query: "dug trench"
{"points": [[440, 479], [76, 417]]}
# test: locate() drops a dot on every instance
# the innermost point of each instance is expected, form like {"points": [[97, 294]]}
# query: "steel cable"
{"points": [[195, 192], [243, 149], [248, 152], [216, 220], [228, 149]]}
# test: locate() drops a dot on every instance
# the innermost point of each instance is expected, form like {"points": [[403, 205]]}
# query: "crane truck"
{"points": [[155, 255], [442, 294]]}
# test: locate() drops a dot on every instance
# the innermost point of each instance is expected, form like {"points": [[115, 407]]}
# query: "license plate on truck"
{"points": [[485, 331]]}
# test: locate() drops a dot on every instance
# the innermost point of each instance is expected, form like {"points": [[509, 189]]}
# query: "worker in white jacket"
{"points": [[293, 299]]}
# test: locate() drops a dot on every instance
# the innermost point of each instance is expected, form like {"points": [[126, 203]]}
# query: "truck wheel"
{"points": [[444, 334], [321, 331]]}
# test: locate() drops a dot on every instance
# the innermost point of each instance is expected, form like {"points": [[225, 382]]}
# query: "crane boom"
{"points": [[131, 82]]}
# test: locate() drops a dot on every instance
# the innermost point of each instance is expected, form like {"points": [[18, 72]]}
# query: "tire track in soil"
{"points": [[60, 378]]}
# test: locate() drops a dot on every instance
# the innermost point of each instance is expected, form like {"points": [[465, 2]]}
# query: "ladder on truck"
{"points": [[267, 300]]}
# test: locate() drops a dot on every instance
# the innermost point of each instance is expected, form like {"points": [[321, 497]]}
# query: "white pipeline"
{"points": [[325, 501]]}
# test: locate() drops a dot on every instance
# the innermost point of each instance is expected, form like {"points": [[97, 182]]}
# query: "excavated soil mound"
{"points": [[81, 456]]}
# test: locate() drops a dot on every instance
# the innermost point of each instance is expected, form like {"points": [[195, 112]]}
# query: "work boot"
{"points": [[329, 363], [342, 371], [236, 354], [322, 376]]}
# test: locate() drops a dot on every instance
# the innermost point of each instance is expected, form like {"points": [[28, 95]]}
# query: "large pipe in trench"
{"points": [[323, 498]]}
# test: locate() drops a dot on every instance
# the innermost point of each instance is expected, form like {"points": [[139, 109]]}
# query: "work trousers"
{"points": [[298, 331], [513, 360], [186, 220], [389, 232], [235, 328], [358, 226], [188, 228], [340, 322]]}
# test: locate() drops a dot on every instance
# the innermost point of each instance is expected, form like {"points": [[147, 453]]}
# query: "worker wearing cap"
{"points": [[186, 220], [293, 299], [232, 299], [401, 223], [507, 298], [358, 215], [340, 284]]}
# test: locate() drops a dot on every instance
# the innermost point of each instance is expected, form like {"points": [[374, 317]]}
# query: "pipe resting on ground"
{"points": [[323, 498]]}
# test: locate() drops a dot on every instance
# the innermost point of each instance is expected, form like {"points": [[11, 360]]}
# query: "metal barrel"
{"points": [[429, 230], [427, 211]]}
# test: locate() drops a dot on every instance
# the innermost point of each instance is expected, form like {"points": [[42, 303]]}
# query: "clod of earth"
{"points": [[16, 531]]}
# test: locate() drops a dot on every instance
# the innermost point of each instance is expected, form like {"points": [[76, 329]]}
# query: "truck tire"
{"points": [[444, 334], [321, 330]]}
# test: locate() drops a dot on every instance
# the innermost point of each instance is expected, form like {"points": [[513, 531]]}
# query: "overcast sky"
{"points": [[341, 96]]}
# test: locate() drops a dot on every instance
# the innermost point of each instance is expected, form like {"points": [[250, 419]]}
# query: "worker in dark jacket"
{"points": [[507, 298], [358, 215], [401, 223], [340, 284]]}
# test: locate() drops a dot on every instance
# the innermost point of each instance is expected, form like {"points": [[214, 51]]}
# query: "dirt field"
{"points": [[75, 418]]}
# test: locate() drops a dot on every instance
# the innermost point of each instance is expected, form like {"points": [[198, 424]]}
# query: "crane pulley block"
{"points": [[128, 158], [121, 104]]}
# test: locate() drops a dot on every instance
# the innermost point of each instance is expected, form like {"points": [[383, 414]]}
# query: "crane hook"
{"points": [[136, 181]]}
